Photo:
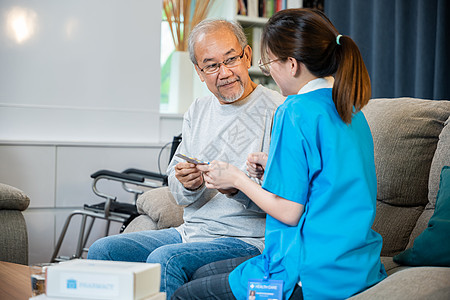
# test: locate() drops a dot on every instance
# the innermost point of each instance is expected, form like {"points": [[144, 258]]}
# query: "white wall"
{"points": [[79, 70], [79, 92]]}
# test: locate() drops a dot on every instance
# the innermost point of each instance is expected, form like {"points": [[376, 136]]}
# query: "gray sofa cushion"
{"points": [[395, 225], [13, 198], [441, 158], [421, 225], [391, 266], [432, 247], [410, 284], [405, 133]]}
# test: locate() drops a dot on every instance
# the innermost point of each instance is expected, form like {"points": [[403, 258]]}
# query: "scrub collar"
{"points": [[318, 83]]}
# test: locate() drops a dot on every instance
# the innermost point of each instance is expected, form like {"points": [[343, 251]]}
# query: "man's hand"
{"points": [[256, 163], [189, 176]]}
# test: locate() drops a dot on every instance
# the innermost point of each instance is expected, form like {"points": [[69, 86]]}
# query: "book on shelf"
{"points": [[260, 8], [280, 4], [294, 3], [241, 7], [252, 8], [269, 8]]}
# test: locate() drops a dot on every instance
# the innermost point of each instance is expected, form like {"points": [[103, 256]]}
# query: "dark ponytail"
{"points": [[351, 88], [310, 37]]}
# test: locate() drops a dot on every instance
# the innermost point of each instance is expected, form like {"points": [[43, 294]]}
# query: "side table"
{"points": [[15, 282]]}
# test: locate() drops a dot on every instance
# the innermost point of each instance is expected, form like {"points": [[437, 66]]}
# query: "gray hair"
{"points": [[208, 25]]}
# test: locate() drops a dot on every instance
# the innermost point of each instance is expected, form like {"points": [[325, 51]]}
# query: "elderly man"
{"points": [[234, 121]]}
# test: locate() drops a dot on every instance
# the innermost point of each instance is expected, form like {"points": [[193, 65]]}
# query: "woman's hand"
{"points": [[223, 176], [256, 163], [220, 175]]}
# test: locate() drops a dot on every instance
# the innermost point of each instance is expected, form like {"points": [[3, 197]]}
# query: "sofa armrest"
{"points": [[13, 236], [160, 206], [12, 198]]}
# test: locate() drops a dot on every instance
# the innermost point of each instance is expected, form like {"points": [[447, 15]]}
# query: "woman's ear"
{"points": [[295, 67]]}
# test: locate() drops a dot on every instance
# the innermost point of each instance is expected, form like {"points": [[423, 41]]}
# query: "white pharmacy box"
{"points": [[158, 296], [100, 279]]}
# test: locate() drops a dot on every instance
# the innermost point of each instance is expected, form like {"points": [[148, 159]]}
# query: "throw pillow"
{"points": [[432, 247], [161, 207]]}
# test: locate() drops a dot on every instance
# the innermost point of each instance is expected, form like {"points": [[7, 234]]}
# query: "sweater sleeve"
{"points": [[182, 195]]}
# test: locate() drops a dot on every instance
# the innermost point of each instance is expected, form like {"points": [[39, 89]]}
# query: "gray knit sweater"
{"points": [[229, 132]]}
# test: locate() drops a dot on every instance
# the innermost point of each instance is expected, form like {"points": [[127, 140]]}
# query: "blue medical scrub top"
{"points": [[317, 160]]}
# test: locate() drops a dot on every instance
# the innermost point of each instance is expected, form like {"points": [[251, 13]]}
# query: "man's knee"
{"points": [[113, 247], [161, 255], [98, 250]]}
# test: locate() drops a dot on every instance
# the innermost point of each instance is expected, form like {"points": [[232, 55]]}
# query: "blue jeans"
{"points": [[178, 260]]}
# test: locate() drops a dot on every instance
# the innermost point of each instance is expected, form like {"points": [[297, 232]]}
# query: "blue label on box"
{"points": [[265, 289], [71, 284]]}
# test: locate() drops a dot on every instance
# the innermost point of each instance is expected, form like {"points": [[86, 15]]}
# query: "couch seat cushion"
{"points": [[411, 283]]}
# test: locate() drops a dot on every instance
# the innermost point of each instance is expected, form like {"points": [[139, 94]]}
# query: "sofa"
{"points": [[13, 233], [411, 146]]}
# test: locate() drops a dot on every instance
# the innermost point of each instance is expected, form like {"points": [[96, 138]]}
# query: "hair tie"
{"points": [[337, 39]]}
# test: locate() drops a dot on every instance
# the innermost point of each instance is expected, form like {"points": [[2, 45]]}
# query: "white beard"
{"points": [[233, 98]]}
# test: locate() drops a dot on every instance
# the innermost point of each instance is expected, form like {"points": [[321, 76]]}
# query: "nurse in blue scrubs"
{"points": [[319, 182]]}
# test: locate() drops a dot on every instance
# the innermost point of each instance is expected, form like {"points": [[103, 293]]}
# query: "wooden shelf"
{"points": [[246, 20]]}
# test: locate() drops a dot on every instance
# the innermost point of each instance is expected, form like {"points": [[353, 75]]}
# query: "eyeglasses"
{"points": [[265, 67], [229, 63]]}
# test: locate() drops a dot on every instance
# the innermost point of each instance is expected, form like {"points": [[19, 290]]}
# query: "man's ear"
{"points": [[199, 73], [248, 54]]}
